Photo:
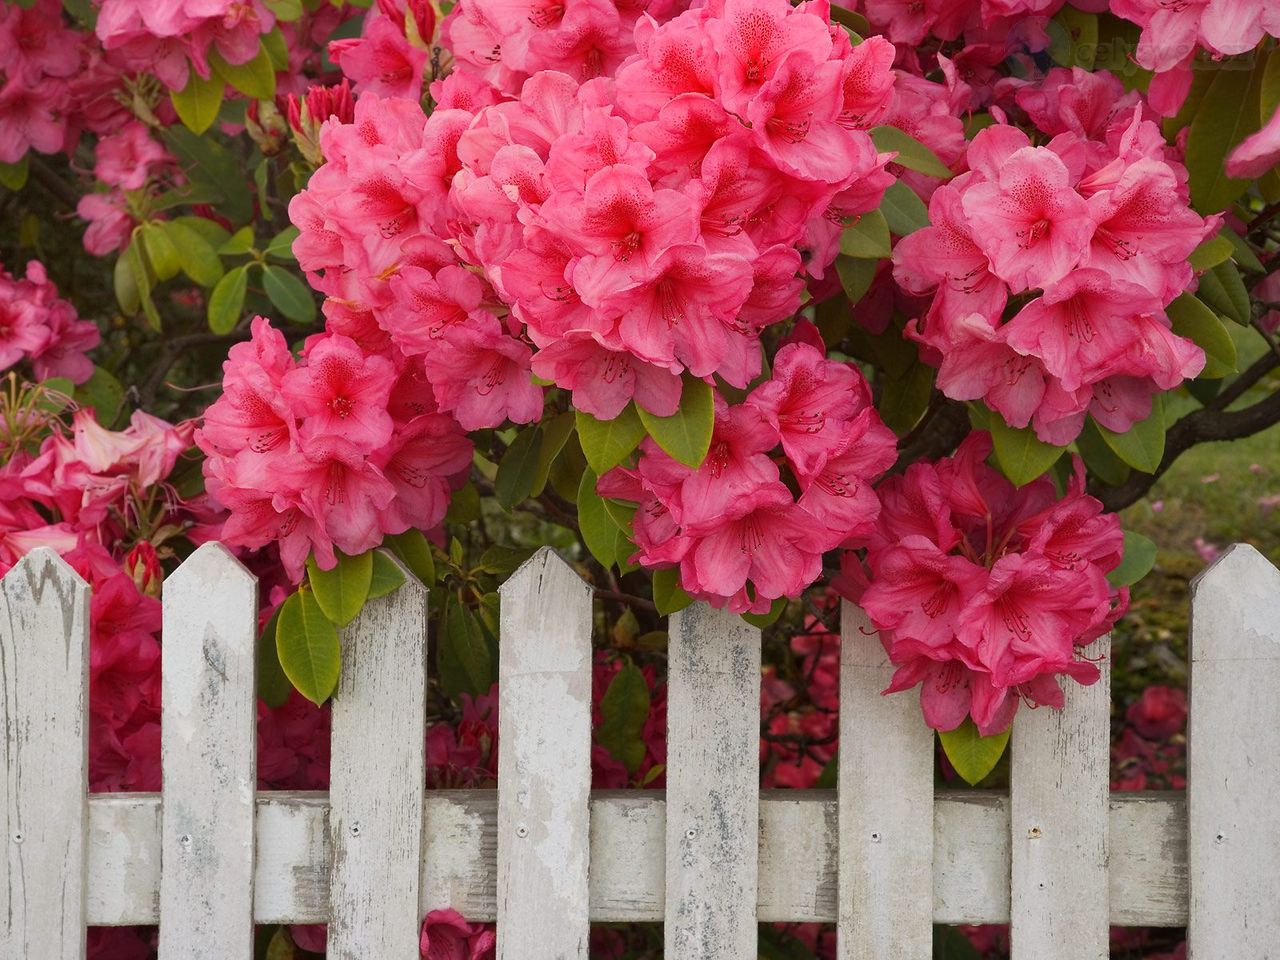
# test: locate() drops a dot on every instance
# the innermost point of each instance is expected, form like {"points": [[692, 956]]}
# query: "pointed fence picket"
{"points": [[883, 857]]}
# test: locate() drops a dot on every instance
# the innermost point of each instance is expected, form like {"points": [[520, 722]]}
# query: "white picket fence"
{"points": [[884, 856]]}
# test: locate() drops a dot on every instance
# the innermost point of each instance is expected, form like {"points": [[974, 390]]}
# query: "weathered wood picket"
{"points": [[884, 857]]}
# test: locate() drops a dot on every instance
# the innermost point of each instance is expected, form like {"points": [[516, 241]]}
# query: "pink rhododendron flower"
{"points": [[447, 936]]}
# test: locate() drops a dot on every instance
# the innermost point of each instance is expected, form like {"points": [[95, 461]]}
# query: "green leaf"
{"points": [[1073, 38], [769, 618], [686, 435], [1139, 558], [903, 210], [226, 303], [867, 238], [1142, 445], [555, 434], [1020, 454], [307, 644], [668, 596], [141, 271], [951, 944], [196, 256], [855, 22], [13, 176], [1269, 89], [1241, 252], [502, 561], [197, 104], [290, 295], [255, 79], [912, 154], [161, 253], [1229, 295], [518, 467], [205, 162], [1228, 113], [342, 591], [386, 576], [281, 245], [239, 242], [286, 11], [973, 756], [606, 443], [1193, 320], [624, 708], [126, 285], [103, 392], [464, 660], [1100, 458], [212, 232], [1210, 253], [414, 550], [273, 685], [855, 276], [603, 537]]}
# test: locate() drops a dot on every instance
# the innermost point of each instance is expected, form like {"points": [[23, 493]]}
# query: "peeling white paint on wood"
{"points": [[713, 785], [886, 807], [544, 762], [1059, 797], [208, 750], [459, 868], [377, 779], [1234, 759], [44, 685]]}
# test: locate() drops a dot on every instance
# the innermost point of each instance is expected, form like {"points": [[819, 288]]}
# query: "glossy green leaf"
{"points": [[1227, 114], [195, 254], [606, 443], [1100, 458], [464, 659], [1233, 296], [226, 303], [1241, 252], [273, 684], [125, 285], [238, 243], [162, 255], [1139, 558], [281, 245], [602, 535], [855, 276], [912, 154], [686, 435], [518, 467], [197, 103], [768, 618], [1020, 454], [386, 577], [343, 590], [143, 279], [972, 755], [212, 232], [1195, 321], [555, 434], [624, 709], [308, 648], [903, 210], [1142, 445], [1210, 253], [256, 79], [414, 550], [850, 20], [104, 393], [207, 163], [668, 596], [288, 293], [867, 238]]}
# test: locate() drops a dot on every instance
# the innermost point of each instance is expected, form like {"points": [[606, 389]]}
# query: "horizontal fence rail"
{"points": [[884, 856]]}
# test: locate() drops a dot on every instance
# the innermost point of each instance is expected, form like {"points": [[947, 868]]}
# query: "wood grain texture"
{"points": [[208, 750], [886, 807], [44, 686], [1059, 797], [377, 779], [1234, 759], [459, 868], [544, 762], [713, 776]]}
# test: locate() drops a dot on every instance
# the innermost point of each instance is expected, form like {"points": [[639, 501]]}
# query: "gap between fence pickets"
{"points": [[1147, 876]]}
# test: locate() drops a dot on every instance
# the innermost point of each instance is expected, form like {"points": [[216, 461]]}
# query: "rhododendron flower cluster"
{"points": [[1050, 268], [172, 38], [983, 593], [39, 327], [738, 534], [335, 450]]}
